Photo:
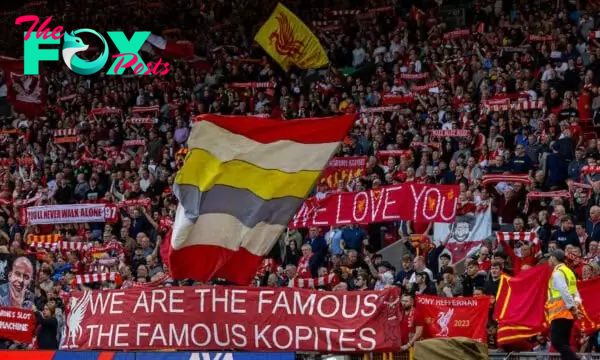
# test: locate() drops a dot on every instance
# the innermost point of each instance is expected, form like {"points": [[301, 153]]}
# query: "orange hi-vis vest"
{"points": [[555, 305]]}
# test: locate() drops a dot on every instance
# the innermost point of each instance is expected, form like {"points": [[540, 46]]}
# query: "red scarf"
{"points": [[304, 268]]}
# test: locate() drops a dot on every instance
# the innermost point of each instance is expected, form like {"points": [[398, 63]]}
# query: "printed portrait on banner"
{"points": [[17, 281], [465, 233]]}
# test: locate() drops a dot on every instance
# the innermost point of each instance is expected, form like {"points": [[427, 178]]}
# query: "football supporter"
{"points": [[523, 84]]}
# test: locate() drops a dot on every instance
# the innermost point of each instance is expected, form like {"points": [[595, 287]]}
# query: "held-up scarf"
{"points": [[151, 284], [382, 154], [93, 161], [253, 85], [111, 246], [137, 142], [393, 99], [379, 109], [541, 38], [450, 133], [104, 111], [573, 186], [426, 87], [456, 34], [330, 279], [23, 161], [44, 239], [145, 109], [414, 76], [368, 120], [60, 245], [547, 194], [498, 178], [135, 202], [97, 277], [590, 169], [525, 236], [141, 120], [416, 144]]}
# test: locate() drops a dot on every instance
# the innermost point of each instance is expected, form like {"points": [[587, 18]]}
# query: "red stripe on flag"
{"points": [[306, 131], [218, 263]]}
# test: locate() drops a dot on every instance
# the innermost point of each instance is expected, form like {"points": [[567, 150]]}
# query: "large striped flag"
{"points": [[242, 181]]}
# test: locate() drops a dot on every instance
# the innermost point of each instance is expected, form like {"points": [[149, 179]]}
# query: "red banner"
{"points": [[343, 168], [452, 317], [17, 324], [69, 214], [416, 202], [26, 93], [246, 319]]}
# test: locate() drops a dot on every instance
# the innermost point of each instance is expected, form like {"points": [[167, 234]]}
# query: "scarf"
{"points": [[90, 278], [59, 245], [44, 239], [414, 76], [151, 284], [526, 236], [253, 85], [498, 178], [547, 194], [456, 34], [330, 279]]}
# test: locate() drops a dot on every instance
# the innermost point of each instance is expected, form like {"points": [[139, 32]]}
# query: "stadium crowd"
{"points": [[442, 77]]}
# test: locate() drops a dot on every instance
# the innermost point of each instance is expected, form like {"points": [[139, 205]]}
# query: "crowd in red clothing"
{"points": [[520, 77]]}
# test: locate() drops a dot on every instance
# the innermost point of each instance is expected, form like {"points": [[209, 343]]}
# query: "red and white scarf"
{"points": [[151, 284], [456, 34], [546, 195], [414, 76], [525, 236], [253, 85], [330, 279], [61, 245], [97, 277], [498, 178]]}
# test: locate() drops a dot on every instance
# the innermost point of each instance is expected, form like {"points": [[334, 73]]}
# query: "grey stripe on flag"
{"points": [[243, 204]]}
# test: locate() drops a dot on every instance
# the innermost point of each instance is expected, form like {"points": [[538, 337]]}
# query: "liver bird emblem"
{"points": [[284, 42], [76, 315], [443, 321]]}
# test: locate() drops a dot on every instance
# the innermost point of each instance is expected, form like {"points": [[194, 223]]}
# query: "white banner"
{"points": [[69, 214], [466, 232]]}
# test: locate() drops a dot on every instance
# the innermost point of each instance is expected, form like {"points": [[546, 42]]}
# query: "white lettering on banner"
{"points": [[221, 334], [437, 203], [14, 326], [440, 203], [233, 301], [447, 302], [388, 203], [280, 337], [338, 211]]}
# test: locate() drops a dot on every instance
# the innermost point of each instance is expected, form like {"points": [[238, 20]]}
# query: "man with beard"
{"points": [[411, 328], [16, 291]]}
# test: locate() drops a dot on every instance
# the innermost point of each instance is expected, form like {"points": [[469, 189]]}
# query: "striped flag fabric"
{"points": [[242, 181]]}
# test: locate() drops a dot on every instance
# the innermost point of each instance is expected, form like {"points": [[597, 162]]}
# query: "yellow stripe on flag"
{"points": [[290, 42], [203, 170]]}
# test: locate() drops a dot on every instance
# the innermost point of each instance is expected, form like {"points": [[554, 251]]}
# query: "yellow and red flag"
{"points": [[290, 42]]}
